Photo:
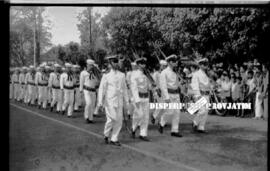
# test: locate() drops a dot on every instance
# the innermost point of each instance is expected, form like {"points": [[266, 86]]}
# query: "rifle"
{"points": [[150, 78]]}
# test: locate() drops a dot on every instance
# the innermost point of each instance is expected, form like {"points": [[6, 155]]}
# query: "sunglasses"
{"points": [[114, 60], [173, 60]]}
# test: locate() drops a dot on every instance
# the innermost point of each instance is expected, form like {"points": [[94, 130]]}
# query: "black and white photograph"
{"points": [[138, 86]]}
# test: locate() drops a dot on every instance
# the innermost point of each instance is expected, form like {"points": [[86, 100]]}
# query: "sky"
{"points": [[64, 23]]}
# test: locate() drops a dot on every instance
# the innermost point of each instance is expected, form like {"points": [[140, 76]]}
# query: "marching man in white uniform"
{"points": [[26, 93], [15, 84], [200, 85], [30, 79], [131, 106], [140, 87], [22, 83], [169, 85], [88, 83], [113, 96], [78, 95], [54, 84], [156, 77], [67, 85], [42, 82]]}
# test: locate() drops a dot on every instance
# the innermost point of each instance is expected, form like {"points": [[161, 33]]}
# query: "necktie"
{"points": [[69, 77], [91, 75]]}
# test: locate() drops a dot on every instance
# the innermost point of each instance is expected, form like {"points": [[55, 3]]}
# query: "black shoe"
{"points": [[90, 121], [160, 129], [194, 127], [70, 116], [116, 143], [153, 120], [76, 110], [144, 138], [201, 131], [96, 115], [63, 112], [106, 139], [57, 112], [39, 106], [133, 133], [176, 134]]}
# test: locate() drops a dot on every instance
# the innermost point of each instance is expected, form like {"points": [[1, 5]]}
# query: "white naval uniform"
{"points": [[113, 96], [30, 79], [131, 104], [26, 94], [88, 86], [16, 86], [67, 83], [140, 85], [200, 81], [11, 87], [22, 85], [42, 82], [54, 84], [169, 80], [78, 95], [157, 112]]}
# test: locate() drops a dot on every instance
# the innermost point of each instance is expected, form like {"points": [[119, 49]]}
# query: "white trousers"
{"points": [[68, 101], [140, 117], [202, 115], [172, 115], [11, 90], [43, 96], [16, 91], [22, 92], [78, 98], [158, 112], [31, 94], [57, 99], [113, 126], [90, 100], [258, 106]]}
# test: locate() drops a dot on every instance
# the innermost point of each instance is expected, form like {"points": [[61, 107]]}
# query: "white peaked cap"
{"points": [[68, 65], [171, 56], [163, 62], [56, 65], [90, 61], [133, 63]]}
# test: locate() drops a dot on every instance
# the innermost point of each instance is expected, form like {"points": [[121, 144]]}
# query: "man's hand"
{"points": [[167, 101], [137, 104]]}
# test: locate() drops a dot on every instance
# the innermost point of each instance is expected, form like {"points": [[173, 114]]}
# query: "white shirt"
{"points": [[251, 84], [168, 80], [21, 78], [54, 79], [199, 81], [139, 83], [85, 80], [14, 78], [65, 82], [113, 90]]}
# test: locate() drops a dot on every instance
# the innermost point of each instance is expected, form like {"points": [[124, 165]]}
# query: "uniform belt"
{"points": [[55, 87], [40, 84], [16, 82], [173, 91], [31, 83], [204, 92], [68, 87], [22, 83], [77, 86], [89, 88], [143, 95]]}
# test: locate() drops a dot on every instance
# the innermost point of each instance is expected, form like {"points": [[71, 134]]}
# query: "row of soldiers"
{"points": [[116, 92]]}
